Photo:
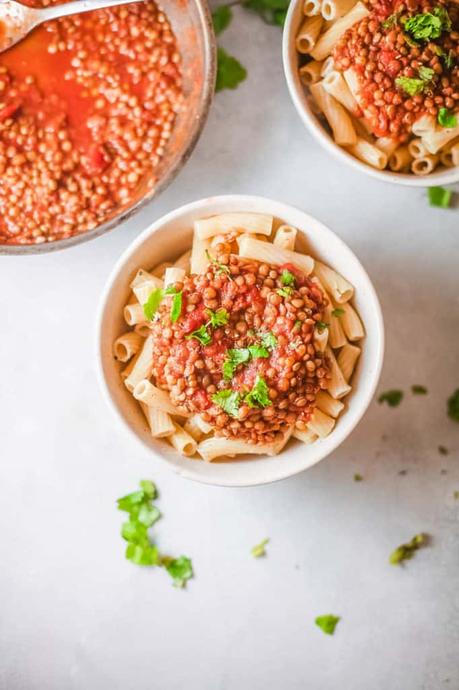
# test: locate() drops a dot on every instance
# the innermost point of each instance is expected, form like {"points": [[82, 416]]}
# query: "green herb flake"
{"points": [[321, 326], [142, 554], [219, 267], [456, 495], [327, 623], [271, 11], [258, 352], [338, 312], [221, 18], [285, 291], [180, 569], [259, 550], [446, 118], [419, 390], [453, 406], [393, 398], [218, 318], [405, 552], [287, 278], [234, 357], [410, 85], [390, 22], [426, 73], [259, 395], [358, 477], [230, 72], [151, 306], [297, 324], [428, 25], [176, 306], [443, 450], [228, 400], [269, 340], [201, 334], [439, 197]]}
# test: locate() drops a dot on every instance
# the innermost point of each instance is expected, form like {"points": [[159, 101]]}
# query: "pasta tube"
{"points": [[285, 237], [308, 34], [258, 223], [337, 386], [347, 359], [337, 117], [127, 345], [329, 405], [320, 423], [338, 287], [328, 40], [160, 423], [265, 251], [183, 442]]}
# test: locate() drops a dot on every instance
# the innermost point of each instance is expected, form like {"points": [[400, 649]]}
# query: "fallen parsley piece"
{"points": [[327, 623], [180, 569], [358, 477], [456, 495], [443, 450], [234, 357], [230, 72], [221, 18], [393, 398], [142, 554], [285, 291], [259, 395], [338, 312], [419, 390], [201, 334], [405, 552], [271, 11], [453, 406], [228, 400], [269, 340], [176, 306], [287, 278], [152, 304], [446, 118], [439, 197], [259, 549], [321, 326], [218, 318]]}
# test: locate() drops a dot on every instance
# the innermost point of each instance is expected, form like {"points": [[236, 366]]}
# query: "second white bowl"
{"points": [[165, 240]]}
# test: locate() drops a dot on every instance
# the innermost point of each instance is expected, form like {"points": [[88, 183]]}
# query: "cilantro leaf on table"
{"points": [[327, 623], [446, 118], [222, 18], [180, 569], [453, 406], [259, 550], [271, 11], [358, 477], [416, 389], [405, 552], [259, 395], [151, 306], [393, 397], [228, 400], [439, 197], [201, 334], [443, 450], [230, 72]]}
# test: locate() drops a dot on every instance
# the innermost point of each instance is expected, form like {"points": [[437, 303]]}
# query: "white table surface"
{"points": [[75, 615]]}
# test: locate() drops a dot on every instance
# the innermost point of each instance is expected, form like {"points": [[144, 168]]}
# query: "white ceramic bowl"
{"points": [[316, 128], [165, 240]]}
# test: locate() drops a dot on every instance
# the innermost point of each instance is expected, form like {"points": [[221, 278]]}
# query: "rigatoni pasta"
{"points": [[246, 352], [388, 102]]}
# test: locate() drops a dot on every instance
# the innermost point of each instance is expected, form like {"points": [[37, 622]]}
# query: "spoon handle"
{"points": [[79, 6]]}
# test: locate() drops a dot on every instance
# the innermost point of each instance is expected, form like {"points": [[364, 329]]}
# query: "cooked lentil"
{"points": [[87, 105], [293, 370]]}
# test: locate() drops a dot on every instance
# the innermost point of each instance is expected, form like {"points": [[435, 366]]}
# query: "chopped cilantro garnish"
{"points": [[358, 477], [201, 334], [429, 25], [152, 304], [176, 306], [221, 18], [405, 552], [410, 85], [327, 623], [230, 72], [453, 406], [446, 118], [258, 352], [259, 395], [228, 400], [439, 197], [140, 550], [443, 450], [419, 390], [269, 340], [234, 357], [219, 267], [180, 569], [426, 73], [297, 324], [338, 312], [390, 22], [321, 326], [285, 291], [218, 318], [393, 398], [287, 278], [259, 549]]}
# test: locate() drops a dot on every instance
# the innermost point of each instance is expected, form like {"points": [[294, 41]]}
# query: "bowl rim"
{"points": [[209, 80], [297, 90], [200, 205]]}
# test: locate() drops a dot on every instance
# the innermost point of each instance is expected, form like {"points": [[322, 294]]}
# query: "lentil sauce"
{"points": [[380, 51], [293, 370], [87, 105]]}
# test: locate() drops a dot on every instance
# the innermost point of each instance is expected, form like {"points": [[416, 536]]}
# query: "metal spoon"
{"points": [[17, 20]]}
